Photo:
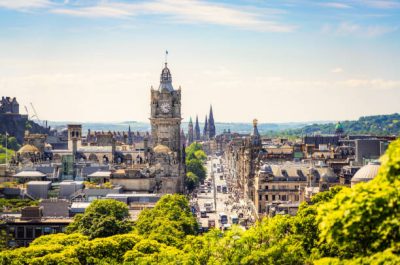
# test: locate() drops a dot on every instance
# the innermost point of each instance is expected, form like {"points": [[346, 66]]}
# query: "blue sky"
{"points": [[278, 61]]}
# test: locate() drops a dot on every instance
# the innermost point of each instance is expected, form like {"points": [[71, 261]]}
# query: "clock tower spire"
{"points": [[166, 113]]}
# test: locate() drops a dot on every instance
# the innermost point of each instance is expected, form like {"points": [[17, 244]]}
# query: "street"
{"points": [[227, 199]]}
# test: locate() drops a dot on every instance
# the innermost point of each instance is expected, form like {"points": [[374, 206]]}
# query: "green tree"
{"points": [[366, 218], [191, 181], [169, 221], [197, 168], [101, 219]]}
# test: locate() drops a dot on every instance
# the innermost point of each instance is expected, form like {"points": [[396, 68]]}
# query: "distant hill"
{"points": [[143, 126], [379, 125], [375, 125]]}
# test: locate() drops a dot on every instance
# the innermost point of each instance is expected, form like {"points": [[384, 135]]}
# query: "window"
{"points": [[266, 197], [296, 197], [20, 232], [283, 197], [273, 197], [38, 231], [29, 232], [46, 230], [260, 197], [266, 187]]}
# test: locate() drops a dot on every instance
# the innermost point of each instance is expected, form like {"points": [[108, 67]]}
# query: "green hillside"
{"points": [[375, 125]]}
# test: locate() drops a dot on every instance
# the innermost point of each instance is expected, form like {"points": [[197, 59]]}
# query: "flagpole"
{"points": [[6, 150]]}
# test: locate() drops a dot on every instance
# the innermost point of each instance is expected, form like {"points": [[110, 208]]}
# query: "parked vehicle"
{"points": [[208, 207], [223, 218], [203, 213], [211, 223], [234, 219]]}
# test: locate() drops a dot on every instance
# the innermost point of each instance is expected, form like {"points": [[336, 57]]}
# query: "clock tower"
{"points": [[166, 113]]}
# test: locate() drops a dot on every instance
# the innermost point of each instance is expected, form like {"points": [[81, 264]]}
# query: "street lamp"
{"points": [[6, 149]]}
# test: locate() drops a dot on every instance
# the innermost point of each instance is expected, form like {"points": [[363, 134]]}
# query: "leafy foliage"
{"points": [[169, 222], [341, 226], [196, 173], [101, 219]]}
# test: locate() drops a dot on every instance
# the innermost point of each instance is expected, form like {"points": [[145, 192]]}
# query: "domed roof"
{"points": [[324, 178], [28, 149], [366, 173], [339, 128], [161, 149], [166, 80], [266, 168]]}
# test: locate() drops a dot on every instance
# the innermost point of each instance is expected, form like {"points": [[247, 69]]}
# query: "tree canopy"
{"points": [[101, 219], [342, 226]]}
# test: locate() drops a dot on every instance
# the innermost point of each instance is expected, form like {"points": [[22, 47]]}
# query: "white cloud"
{"points": [[337, 70], [24, 4], [187, 11], [336, 5], [382, 4], [352, 29], [379, 84]]}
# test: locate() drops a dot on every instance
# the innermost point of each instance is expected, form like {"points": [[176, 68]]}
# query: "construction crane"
{"points": [[36, 116]]}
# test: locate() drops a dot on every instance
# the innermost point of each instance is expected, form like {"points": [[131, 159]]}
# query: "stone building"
{"points": [[166, 113], [9, 105]]}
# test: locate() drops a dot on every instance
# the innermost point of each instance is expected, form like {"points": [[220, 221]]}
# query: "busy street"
{"points": [[218, 202]]}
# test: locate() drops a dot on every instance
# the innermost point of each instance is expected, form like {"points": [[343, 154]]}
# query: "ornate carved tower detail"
{"points": [[166, 113]]}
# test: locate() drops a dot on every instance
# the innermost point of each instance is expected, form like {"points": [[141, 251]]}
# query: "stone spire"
{"points": [[183, 139], [190, 132], [205, 130], [255, 135], [211, 124], [166, 80], [197, 134], [130, 139]]}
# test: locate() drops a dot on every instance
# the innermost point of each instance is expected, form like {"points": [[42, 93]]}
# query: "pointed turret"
{"points": [[130, 138], [205, 130], [255, 135], [211, 124], [197, 134], [166, 80], [190, 132]]}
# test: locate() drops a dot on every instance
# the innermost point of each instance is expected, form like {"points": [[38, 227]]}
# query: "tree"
{"points": [[191, 181], [101, 219], [196, 167], [366, 218], [191, 150], [169, 221]]}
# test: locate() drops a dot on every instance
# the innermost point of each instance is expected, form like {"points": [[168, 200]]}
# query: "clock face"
{"points": [[165, 107]]}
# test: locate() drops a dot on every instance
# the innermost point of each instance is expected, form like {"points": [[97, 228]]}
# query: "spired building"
{"points": [[166, 113], [166, 154], [197, 134]]}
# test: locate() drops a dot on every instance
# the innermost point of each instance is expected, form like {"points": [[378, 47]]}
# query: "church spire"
{"points": [[205, 131], [211, 124], [197, 134], [190, 132], [130, 139], [255, 135]]}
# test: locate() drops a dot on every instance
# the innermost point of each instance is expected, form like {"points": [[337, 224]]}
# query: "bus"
{"points": [[223, 218]]}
